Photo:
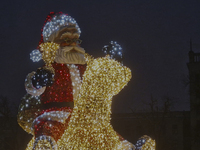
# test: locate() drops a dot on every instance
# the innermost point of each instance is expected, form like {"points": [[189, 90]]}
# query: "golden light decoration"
{"points": [[30, 144], [28, 111], [48, 52], [150, 144], [89, 126]]}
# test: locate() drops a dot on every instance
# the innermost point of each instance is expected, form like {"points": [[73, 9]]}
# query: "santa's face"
{"points": [[64, 35], [69, 52]]}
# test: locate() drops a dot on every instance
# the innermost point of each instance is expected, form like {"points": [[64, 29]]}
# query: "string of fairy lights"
{"points": [[89, 126], [89, 118]]}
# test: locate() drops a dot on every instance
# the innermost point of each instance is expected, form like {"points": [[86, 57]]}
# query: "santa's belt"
{"points": [[57, 105]]}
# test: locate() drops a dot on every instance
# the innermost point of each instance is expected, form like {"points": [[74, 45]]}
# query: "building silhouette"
{"points": [[194, 78]]}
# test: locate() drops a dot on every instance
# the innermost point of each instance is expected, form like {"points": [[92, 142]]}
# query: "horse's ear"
{"points": [[128, 74], [125, 76]]}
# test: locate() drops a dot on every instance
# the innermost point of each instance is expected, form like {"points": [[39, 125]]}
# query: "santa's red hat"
{"points": [[54, 22]]}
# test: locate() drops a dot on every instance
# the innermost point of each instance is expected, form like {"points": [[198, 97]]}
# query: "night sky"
{"points": [[154, 34]]}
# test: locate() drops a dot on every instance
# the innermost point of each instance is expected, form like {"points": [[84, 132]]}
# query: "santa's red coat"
{"points": [[55, 98]]}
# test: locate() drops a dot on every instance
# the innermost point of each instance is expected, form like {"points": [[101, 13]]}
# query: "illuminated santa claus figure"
{"points": [[52, 90]]}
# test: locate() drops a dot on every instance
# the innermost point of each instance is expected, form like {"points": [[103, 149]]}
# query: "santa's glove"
{"points": [[42, 77]]}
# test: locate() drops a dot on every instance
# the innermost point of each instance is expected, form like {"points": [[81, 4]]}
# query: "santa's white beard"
{"points": [[65, 55]]}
